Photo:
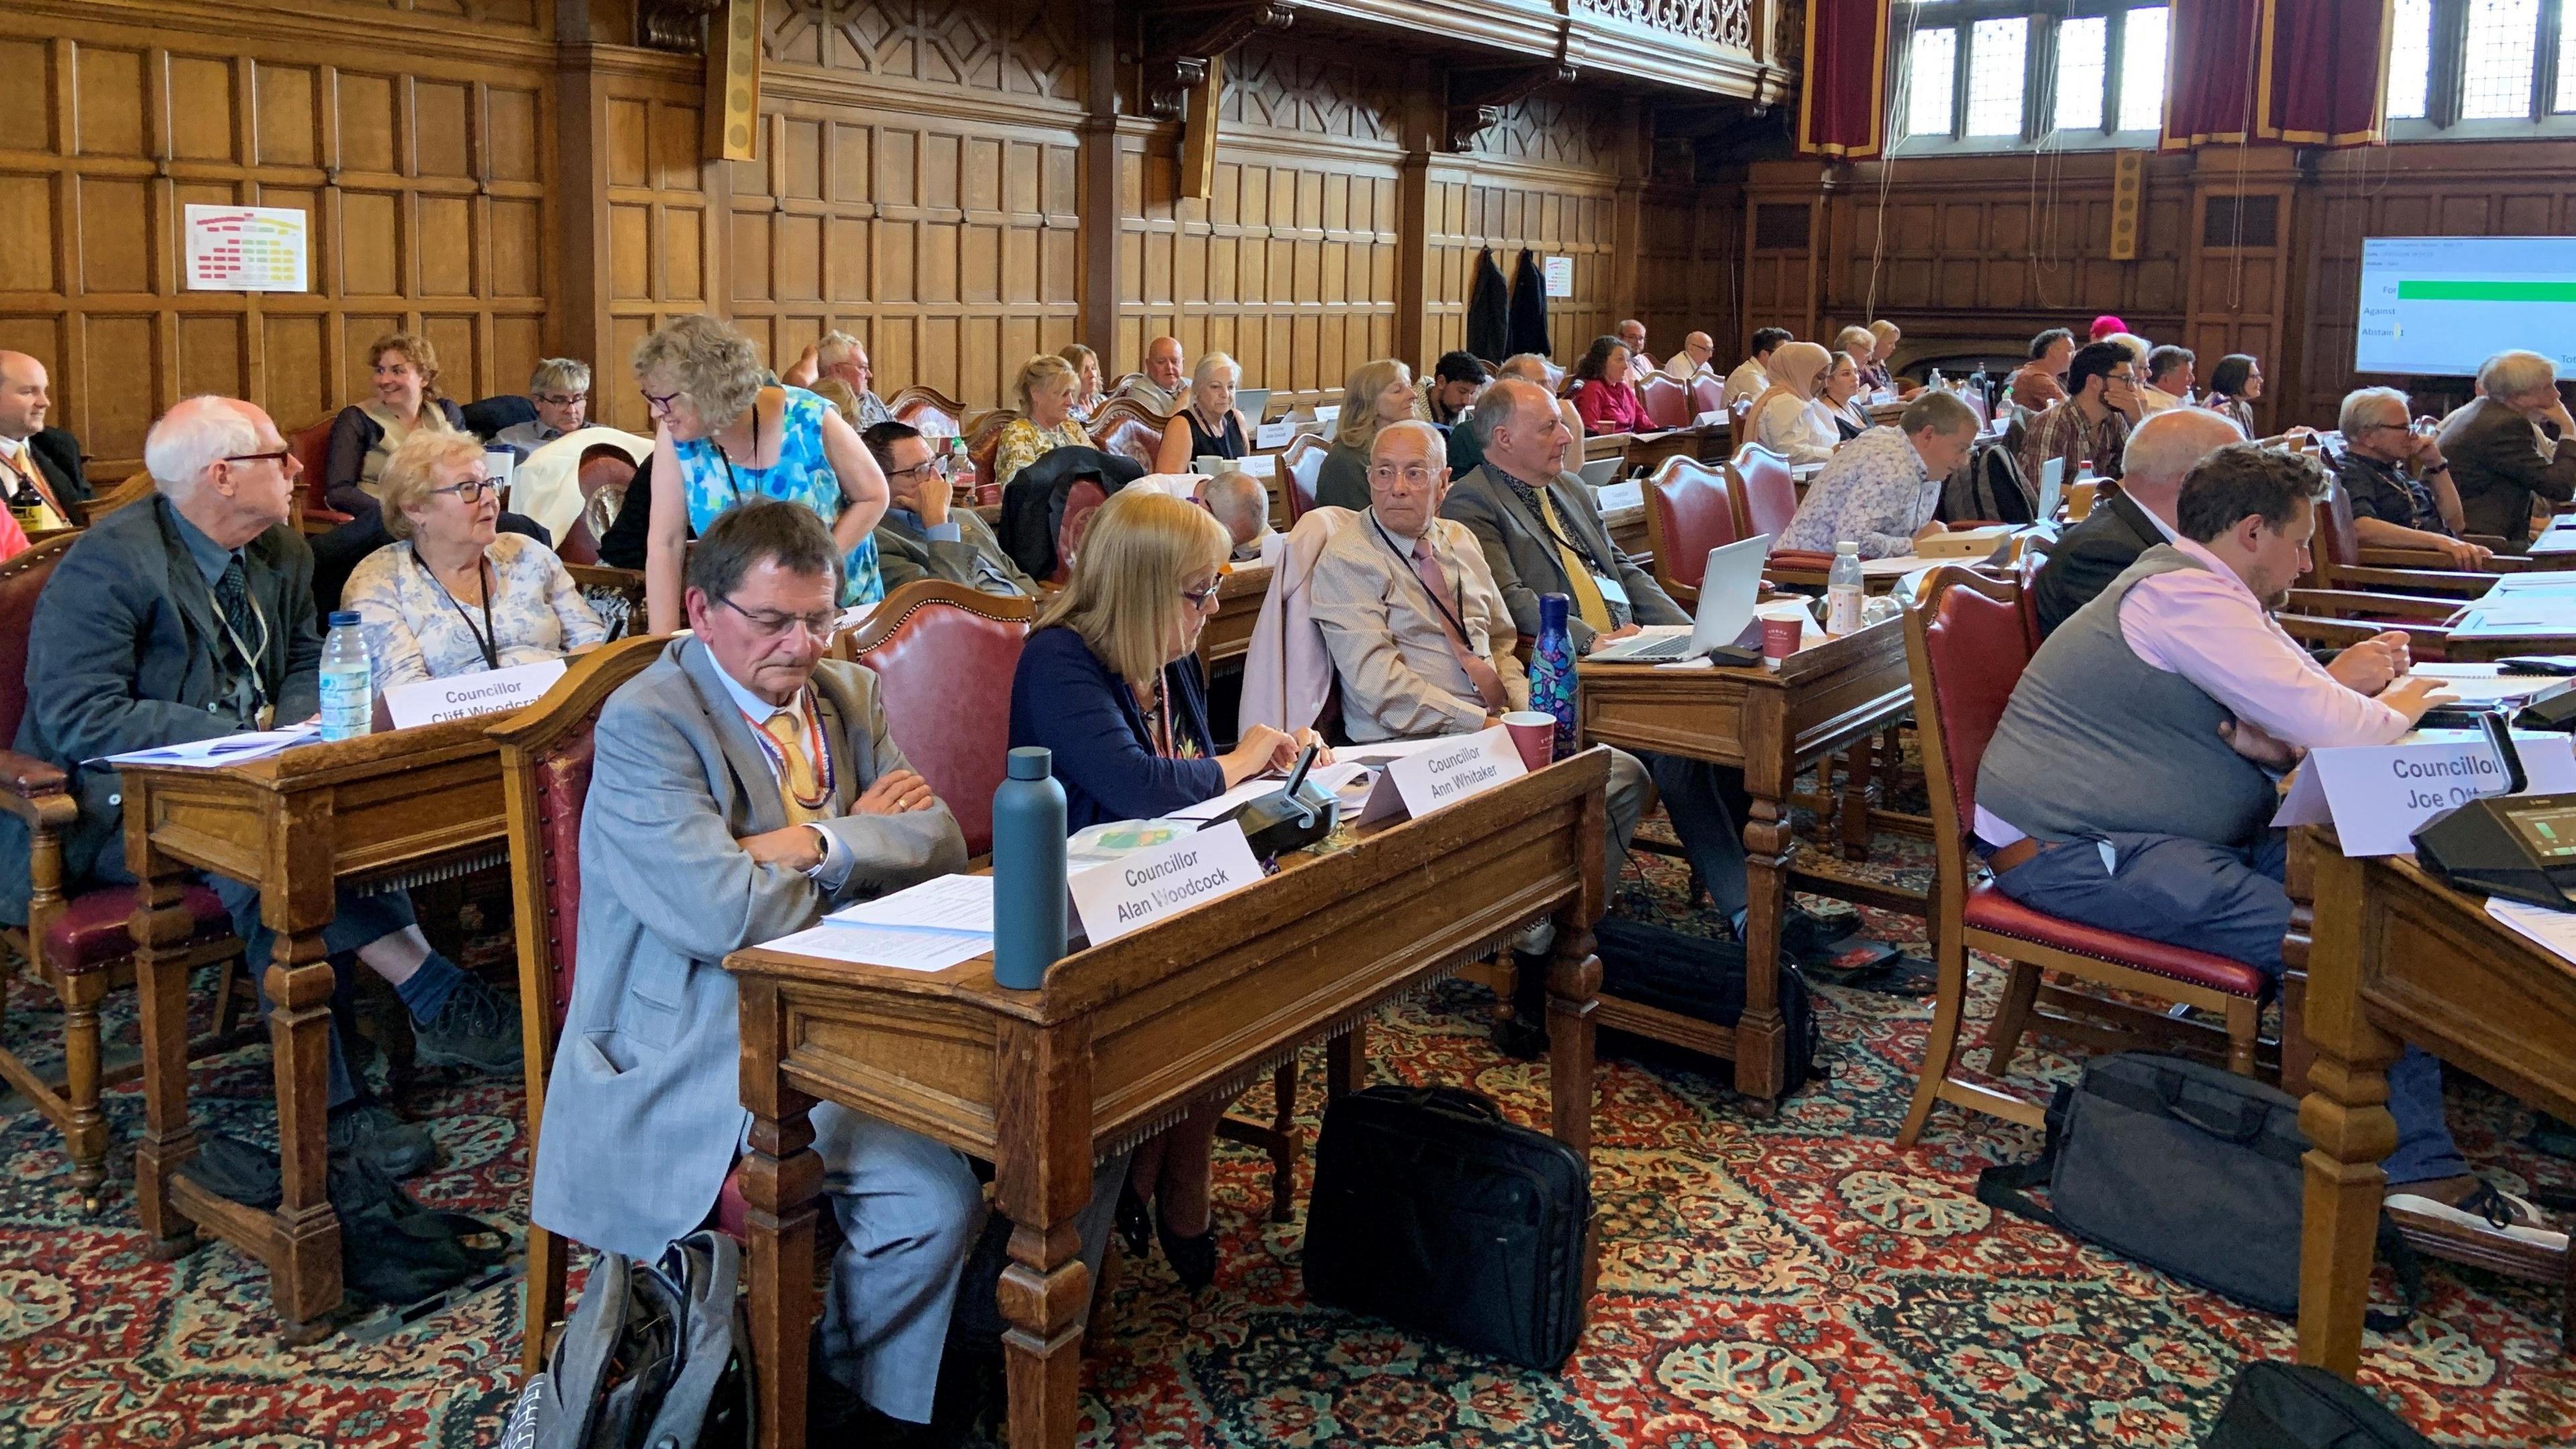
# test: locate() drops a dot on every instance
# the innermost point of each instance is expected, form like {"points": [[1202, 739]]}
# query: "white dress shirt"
{"points": [[838, 858]]}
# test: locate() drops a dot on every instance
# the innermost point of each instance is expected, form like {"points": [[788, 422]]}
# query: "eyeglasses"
{"points": [[565, 400], [656, 406], [472, 490], [280, 456], [770, 624], [1416, 476], [935, 467], [1200, 598]]}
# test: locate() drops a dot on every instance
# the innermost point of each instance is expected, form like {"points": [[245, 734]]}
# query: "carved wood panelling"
{"points": [[1289, 266], [1557, 127], [426, 182], [1026, 50], [1723, 22], [1315, 91], [949, 247], [1690, 267], [662, 246], [1472, 210]]}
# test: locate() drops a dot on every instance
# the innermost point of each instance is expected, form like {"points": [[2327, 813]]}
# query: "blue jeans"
{"points": [[356, 920], [2227, 902]]}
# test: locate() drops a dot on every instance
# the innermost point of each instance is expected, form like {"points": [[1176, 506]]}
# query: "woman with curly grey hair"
{"points": [[726, 433]]}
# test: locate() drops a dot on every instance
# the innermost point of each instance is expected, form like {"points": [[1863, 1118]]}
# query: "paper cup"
{"points": [[1534, 735], [1784, 625]]}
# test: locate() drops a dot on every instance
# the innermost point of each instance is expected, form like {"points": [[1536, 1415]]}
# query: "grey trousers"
{"points": [[2228, 902], [910, 1210]]}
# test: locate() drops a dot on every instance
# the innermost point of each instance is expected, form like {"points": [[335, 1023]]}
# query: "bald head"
{"points": [[23, 399], [1523, 433], [1165, 363], [1700, 347], [2167, 446], [1240, 502], [1632, 335]]}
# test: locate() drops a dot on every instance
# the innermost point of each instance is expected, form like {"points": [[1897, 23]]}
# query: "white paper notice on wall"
{"points": [[1560, 276], [462, 696], [248, 249], [1134, 891]]}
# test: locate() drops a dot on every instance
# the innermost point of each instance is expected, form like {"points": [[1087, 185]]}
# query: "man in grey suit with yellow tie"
{"points": [[742, 786]]}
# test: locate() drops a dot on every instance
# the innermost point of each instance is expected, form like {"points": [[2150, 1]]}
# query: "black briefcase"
{"points": [[1434, 1213], [2289, 1406], [1702, 978]]}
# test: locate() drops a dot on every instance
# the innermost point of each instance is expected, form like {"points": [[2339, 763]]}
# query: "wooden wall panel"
{"points": [[1690, 267], [1290, 264], [414, 138], [659, 223], [1546, 177]]}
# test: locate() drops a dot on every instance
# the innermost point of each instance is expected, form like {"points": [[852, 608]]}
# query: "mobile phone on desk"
{"points": [[2537, 664]]}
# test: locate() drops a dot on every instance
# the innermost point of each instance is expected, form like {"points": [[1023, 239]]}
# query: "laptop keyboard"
{"points": [[1677, 647]]}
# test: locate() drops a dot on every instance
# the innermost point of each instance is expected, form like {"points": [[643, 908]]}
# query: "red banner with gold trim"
{"points": [[1842, 96], [2291, 72]]}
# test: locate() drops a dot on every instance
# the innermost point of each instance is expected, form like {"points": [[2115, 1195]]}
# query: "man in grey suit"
{"points": [[920, 537], [743, 786], [188, 617], [2511, 445], [1542, 534]]}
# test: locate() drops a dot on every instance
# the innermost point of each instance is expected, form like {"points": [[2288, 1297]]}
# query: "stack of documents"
{"points": [[215, 753], [930, 927]]}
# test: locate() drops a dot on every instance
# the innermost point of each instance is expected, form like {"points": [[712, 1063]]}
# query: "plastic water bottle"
{"points": [[348, 690], [1936, 379], [1844, 592], [961, 472], [1552, 671], [1028, 870]]}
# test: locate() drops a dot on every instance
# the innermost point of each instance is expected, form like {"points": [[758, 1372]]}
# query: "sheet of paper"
{"points": [[218, 752], [904, 950], [1387, 752], [950, 903], [2554, 930], [1249, 790]]}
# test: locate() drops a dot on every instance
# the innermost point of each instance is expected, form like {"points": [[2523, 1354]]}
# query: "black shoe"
{"points": [[834, 1414], [1521, 1039], [371, 1132], [1523, 1035], [1193, 1260], [1134, 1227], [478, 1028]]}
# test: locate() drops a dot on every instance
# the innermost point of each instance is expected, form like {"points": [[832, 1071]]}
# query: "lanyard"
{"points": [[1447, 612], [1562, 541], [825, 777], [485, 638], [265, 712], [733, 484]]}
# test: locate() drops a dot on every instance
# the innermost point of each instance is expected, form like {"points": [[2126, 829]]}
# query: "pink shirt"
{"points": [[2206, 626]]}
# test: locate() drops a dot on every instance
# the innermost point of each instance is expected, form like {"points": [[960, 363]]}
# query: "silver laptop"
{"points": [[1601, 472], [1252, 402], [2052, 490], [1727, 591]]}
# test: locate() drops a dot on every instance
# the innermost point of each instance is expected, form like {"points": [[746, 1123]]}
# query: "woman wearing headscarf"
{"points": [[1782, 421]]}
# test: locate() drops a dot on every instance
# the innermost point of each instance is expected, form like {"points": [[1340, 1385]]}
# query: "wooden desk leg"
{"points": [[781, 1178], [1573, 981], [160, 924], [1859, 770], [2345, 1116], [1041, 1183], [305, 1272], [1346, 1062], [1761, 1034]]}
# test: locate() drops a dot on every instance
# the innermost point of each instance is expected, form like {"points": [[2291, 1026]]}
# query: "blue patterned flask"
{"points": [[1552, 671]]}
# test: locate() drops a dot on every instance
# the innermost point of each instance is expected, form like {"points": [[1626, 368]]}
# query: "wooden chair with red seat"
{"points": [[984, 443], [1128, 428], [606, 474], [545, 777], [1690, 509], [1707, 395], [77, 947], [312, 447], [1303, 459], [932, 412], [1667, 401], [1967, 644], [1766, 501]]}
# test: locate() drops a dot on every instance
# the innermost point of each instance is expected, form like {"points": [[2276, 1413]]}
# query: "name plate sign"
{"points": [[2378, 796], [1274, 435], [462, 696], [1449, 771], [1135, 891]]}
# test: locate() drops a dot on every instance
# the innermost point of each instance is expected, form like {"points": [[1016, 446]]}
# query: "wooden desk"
{"points": [[2395, 957], [1228, 636], [1627, 530], [387, 809], [1822, 701], [1044, 1083]]}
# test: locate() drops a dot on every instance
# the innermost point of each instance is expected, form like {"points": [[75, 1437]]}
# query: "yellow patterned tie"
{"points": [[1588, 603], [796, 782]]}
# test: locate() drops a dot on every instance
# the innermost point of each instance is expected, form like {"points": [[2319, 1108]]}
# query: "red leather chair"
{"points": [[944, 655], [1667, 401], [77, 947], [545, 777], [1690, 509], [1707, 395], [604, 470], [312, 447], [1128, 428], [934, 413], [1967, 644], [1305, 464], [1766, 492]]}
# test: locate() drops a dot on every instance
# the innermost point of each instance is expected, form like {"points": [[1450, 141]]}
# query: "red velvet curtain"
{"points": [[1842, 100], [2296, 72]]}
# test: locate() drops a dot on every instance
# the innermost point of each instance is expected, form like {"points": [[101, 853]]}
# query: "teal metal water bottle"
{"points": [[1028, 871], [1552, 671]]}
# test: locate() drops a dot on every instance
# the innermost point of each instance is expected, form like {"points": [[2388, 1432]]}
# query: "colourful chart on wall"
{"points": [[246, 249]]}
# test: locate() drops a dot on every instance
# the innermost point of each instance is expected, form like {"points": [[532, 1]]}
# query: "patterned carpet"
{"points": [[1796, 1282]]}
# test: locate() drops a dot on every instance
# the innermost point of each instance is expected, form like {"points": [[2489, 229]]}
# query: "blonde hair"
{"points": [[1045, 373], [1883, 330], [1359, 421], [1125, 592], [412, 471], [417, 351], [1850, 337], [1075, 355], [836, 392], [561, 374], [713, 365]]}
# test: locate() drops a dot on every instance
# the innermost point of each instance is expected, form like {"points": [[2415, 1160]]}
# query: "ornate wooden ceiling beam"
{"points": [[1477, 97], [1181, 40]]}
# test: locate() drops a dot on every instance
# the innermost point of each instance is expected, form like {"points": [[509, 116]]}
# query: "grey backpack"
{"points": [[654, 1357]]}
